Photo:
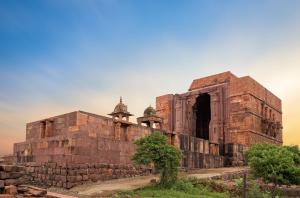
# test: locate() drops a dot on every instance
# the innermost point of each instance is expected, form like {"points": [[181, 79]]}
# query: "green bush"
{"points": [[184, 186], [295, 150], [253, 190], [166, 158], [274, 164]]}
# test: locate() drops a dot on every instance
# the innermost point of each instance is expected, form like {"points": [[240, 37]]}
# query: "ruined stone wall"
{"points": [[198, 154], [212, 80], [58, 125], [255, 113], [80, 137], [70, 175], [164, 108], [11, 175], [243, 112]]}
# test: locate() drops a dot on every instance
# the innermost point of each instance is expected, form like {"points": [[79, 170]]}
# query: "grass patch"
{"points": [[182, 188]]}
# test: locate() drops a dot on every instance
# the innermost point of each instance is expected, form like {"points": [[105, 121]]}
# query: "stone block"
{"points": [[71, 178], [78, 178], [15, 175], [20, 168], [9, 168], [1, 183], [8, 182], [57, 171], [4, 175], [6, 196], [63, 171], [10, 189], [36, 192], [29, 169], [85, 177]]}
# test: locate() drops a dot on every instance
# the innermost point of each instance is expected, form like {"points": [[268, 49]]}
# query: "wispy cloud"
{"points": [[114, 49]]}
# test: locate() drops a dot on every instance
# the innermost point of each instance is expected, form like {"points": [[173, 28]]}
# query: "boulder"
{"points": [[11, 190]]}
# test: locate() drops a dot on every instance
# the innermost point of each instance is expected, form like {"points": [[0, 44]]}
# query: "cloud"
{"points": [[93, 75]]}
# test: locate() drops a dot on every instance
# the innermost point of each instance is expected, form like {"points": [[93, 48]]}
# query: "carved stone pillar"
{"points": [[117, 131], [214, 122], [151, 124], [128, 134], [49, 129]]}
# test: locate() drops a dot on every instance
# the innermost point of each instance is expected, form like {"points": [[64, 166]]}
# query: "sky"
{"points": [[60, 56]]}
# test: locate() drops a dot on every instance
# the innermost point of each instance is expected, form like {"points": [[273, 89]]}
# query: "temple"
{"points": [[212, 123], [219, 118]]}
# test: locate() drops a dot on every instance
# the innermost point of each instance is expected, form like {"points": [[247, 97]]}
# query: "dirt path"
{"points": [[106, 188]]}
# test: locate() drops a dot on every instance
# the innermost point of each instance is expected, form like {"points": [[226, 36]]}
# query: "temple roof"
{"points": [[120, 108], [149, 111], [212, 80]]}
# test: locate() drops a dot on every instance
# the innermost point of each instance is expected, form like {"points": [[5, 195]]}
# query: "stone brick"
{"points": [[10, 189], [4, 175], [8, 182], [1, 183], [71, 178], [6, 196], [85, 177], [15, 175], [9, 168]]}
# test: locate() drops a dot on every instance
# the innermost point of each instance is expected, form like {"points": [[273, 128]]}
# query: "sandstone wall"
{"points": [[80, 137], [70, 175], [252, 110], [212, 80], [11, 175], [198, 153]]}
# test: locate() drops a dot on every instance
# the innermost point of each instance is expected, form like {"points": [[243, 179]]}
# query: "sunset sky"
{"points": [[59, 56]]}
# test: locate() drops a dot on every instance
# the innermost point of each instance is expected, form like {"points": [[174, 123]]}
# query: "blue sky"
{"points": [[59, 56]]}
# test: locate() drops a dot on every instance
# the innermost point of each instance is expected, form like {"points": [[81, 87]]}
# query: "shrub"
{"points": [[296, 152], [166, 158], [184, 186], [274, 164]]}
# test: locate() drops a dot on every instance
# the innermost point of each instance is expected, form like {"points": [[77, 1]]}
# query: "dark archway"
{"points": [[203, 115]]}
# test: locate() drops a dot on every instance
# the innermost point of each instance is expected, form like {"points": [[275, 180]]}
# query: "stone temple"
{"points": [[212, 123]]}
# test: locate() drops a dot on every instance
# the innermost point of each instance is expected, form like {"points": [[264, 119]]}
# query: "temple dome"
{"points": [[149, 111], [120, 108]]}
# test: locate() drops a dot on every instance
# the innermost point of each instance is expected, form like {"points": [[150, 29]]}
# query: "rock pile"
{"points": [[11, 178]]}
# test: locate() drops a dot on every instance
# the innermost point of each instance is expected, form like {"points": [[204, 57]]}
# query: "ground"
{"points": [[107, 188]]}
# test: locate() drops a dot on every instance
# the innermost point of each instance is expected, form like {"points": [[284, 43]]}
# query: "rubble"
{"points": [[11, 177]]}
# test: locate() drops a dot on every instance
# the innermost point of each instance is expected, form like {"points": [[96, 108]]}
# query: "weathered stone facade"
{"points": [[213, 123], [221, 115], [79, 137]]}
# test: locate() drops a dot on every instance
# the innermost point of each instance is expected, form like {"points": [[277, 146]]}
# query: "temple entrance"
{"points": [[203, 114]]}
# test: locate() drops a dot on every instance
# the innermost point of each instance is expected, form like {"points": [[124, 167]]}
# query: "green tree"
{"points": [[166, 158], [273, 164]]}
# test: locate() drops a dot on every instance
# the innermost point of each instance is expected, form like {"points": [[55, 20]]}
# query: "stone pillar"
{"points": [[214, 122], [169, 138], [151, 123], [117, 131], [48, 130], [43, 129], [120, 117], [176, 141], [128, 134]]}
